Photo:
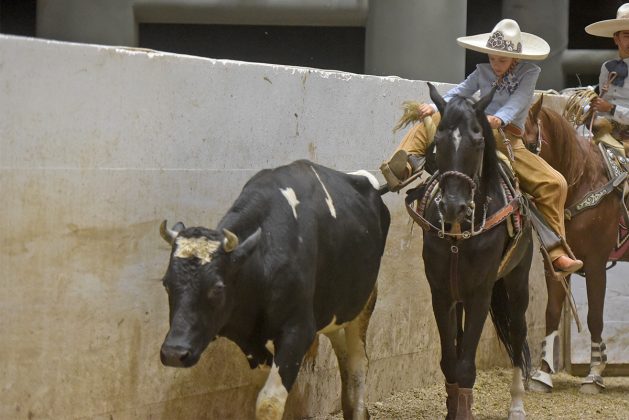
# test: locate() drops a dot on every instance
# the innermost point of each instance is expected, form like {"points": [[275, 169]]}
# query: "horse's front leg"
{"points": [[445, 316], [476, 309]]}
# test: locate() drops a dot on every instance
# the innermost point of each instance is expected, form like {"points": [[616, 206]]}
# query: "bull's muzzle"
{"points": [[175, 356]]}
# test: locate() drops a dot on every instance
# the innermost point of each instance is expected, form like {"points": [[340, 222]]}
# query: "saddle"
{"points": [[617, 166]]}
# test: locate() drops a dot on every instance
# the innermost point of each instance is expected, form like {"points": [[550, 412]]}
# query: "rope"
{"points": [[577, 109]]}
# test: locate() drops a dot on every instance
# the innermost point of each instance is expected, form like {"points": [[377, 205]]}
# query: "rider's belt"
{"points": [[513, 129]]}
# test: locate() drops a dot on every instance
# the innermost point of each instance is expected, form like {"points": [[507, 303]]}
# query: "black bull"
{"points": [[297, 254]]}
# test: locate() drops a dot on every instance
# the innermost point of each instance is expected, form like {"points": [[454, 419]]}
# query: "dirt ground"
{"points": [[492, 399]]}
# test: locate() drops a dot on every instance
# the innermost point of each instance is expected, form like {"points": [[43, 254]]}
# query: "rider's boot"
{"points": [[593, 383], [567, 265], [395, 170], [549, 239], [400, 167]]}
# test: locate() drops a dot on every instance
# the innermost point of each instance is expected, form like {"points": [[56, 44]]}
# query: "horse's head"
{"points": [[465, 144]]}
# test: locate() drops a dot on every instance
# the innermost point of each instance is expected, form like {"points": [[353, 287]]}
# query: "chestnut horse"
{"points": [[462, 257], [591, 234]]}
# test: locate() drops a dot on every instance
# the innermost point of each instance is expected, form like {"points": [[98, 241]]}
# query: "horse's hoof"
{"points": [[591, 389], [540, 387], [517, 415], [541, 382]]}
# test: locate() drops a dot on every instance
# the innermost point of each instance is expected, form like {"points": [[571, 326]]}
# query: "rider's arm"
{"points": [[621, 114], [520, 98], [466, 88]]}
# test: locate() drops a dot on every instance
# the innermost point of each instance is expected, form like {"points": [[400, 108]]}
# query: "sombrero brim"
{"points": [[607, 28], [533, 47]]}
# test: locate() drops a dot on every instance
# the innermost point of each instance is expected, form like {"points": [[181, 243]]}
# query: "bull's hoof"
{"points": [[517, 415], [591, 389]]}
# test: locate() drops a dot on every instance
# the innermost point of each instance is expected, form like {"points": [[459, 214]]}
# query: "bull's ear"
{"points": [[245, 248], [437, 98]]}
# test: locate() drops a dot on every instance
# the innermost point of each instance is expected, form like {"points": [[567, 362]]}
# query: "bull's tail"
{"points": [[501, 318]]}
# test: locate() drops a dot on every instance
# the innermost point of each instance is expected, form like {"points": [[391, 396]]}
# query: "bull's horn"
{"points": [[168, 235], [230, 242]]}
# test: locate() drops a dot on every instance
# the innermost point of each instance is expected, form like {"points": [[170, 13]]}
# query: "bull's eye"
{"points": [[216, 290]]}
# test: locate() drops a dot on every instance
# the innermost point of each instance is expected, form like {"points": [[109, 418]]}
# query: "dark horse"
{"points": [[463, 249], [591, 234]]}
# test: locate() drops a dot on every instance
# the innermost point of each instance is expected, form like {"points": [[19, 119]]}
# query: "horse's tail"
{"points": [[499, 312]]}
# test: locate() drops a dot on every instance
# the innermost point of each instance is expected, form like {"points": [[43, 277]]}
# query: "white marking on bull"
{"points": [[331, 327], [272, 397], [201, 248], [457, 139], [270, 347], [372, 179], [328, 199], [290, 196]]}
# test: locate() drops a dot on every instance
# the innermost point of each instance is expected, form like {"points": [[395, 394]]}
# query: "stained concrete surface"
{"points": [[97, 146]]}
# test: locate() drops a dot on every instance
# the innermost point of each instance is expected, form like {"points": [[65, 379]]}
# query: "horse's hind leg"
{"points": [[349, 345], [596, 280]]}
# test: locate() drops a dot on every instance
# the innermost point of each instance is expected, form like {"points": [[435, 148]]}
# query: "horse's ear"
{"points": [[484, 101], [436, 98], [536, 107]]}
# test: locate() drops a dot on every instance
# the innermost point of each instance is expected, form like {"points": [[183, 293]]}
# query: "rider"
{"points": [[613, 101], [507, 112]]}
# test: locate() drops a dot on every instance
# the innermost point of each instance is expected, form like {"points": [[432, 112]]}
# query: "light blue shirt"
{"points": [[511, 102]]}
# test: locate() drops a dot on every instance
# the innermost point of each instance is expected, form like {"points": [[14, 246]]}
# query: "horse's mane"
{"points": [[573, 156]]}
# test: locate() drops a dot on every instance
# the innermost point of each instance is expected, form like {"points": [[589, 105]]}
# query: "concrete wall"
{"points": [[97, 146]]}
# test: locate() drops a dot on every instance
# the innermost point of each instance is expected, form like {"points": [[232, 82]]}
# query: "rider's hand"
{"points": [[601, 105], [494, 121], [425, 110]]}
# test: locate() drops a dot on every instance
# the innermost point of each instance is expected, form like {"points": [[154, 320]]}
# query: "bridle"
{"points": [[471, 207], [537, 147]]}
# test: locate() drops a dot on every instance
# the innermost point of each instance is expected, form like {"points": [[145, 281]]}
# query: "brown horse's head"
{"points": [[532, 134], [548, 134]]}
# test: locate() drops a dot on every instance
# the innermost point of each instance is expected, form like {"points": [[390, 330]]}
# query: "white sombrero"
{"points": [[607, 28], [507, 40]]}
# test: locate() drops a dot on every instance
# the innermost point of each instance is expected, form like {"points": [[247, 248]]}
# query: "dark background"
{"points": [[341, 48]]}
